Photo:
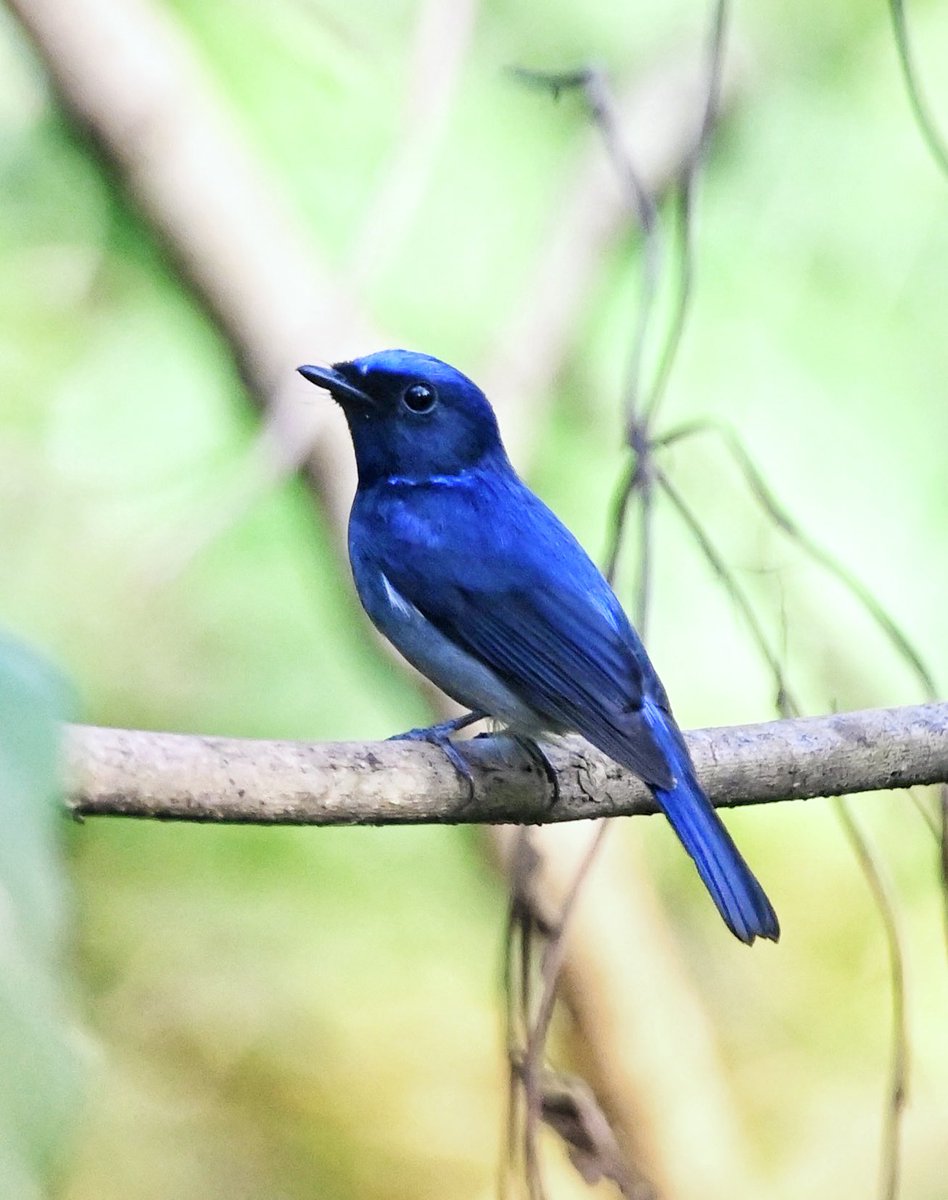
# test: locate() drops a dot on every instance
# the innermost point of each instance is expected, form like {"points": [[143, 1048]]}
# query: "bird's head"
{"points": [[410, 415]]}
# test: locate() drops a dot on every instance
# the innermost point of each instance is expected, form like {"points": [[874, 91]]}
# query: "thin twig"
{"points": [[923, 115], [786, 523], [728, 582], [684, 195], [640, 479], [554, 956], [603, 111], [890, 1158]]}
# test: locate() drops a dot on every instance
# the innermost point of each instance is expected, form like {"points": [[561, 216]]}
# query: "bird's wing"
{"points": [[515, 590]]}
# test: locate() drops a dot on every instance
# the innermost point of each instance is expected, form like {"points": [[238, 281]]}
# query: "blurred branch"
{"points": [[433, 72], [169, 776], [128, 75]]}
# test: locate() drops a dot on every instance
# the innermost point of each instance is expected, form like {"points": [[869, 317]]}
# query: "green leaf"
{"points": [[38, 1070]]}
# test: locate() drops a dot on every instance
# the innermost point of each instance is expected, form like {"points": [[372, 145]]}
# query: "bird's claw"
{"points": [[440, 736], [538, 756]]}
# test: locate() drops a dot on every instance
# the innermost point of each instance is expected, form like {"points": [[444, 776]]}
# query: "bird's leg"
{"points": [[538, 756], [437, 733], [440, 736]]}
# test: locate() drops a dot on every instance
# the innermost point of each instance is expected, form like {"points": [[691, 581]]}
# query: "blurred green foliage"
{"points": [[295, 1013], [38, 1042]]}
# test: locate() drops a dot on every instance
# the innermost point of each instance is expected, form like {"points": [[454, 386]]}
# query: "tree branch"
{"points": [[183, 777]]}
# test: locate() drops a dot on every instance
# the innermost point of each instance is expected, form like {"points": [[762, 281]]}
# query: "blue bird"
{"points": [[486, 592]]}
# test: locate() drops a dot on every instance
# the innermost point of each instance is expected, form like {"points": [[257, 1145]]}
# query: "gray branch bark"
{"points": [[182, 777]]}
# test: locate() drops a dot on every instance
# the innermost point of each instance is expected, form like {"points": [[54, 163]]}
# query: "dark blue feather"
{"points": [[494, 570], [740, 899], [476, 581], [565, 648]]}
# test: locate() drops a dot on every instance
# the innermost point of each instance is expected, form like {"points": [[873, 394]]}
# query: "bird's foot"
{"points": [[538, 756], [440, 736]]}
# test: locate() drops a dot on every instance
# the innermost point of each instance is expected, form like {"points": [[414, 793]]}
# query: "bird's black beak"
{"points": [[338, 386]]}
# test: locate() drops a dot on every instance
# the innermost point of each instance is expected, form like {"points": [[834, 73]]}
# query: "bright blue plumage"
{"points": [[484, 590]]}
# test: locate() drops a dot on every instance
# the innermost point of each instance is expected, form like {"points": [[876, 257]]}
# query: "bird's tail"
{"points": [[740, 899]]}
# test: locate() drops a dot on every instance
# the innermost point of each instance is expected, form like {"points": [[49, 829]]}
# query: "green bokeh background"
{"points": [[292, 1013]]}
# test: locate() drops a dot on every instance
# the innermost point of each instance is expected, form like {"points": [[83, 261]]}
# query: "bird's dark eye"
{"points": [[420, 398]]}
